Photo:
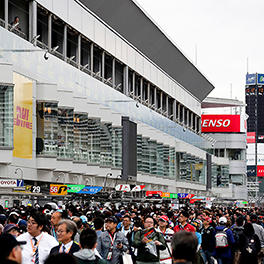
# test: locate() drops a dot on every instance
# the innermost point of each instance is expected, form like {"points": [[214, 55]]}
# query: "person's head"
{"points": [[13, 218], [66, 231], [206, 220], [253, 218], [88, 238], [78, 222], [248, 229], [10, 248], [126, 221], [36, 223], [184, 245], [110, 224], [149, 222], [61, 258], [163, 221], [183, 217], [56, 217], [223, 220], [16, 19], [11, 229], [240, 221], [98, 223]]}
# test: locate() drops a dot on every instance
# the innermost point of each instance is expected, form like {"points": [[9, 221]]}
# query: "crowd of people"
{"points": [[82, 234]]}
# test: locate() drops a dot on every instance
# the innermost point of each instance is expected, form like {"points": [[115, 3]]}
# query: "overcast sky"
{"points": [[226, 33]]}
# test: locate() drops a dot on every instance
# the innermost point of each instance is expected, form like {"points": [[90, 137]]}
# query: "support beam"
{"points": [[78, 51], [113, 72], [103, 66], [126, 89], [64, 52], [92, 54], [50, 32]]}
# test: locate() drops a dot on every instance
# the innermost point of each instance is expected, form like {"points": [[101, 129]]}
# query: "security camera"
{"points": [[46, 55], [184, 129], [137, 105], [212, 144]]}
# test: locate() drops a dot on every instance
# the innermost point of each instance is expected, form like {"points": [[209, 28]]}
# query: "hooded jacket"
{"points": [[85, 256]]}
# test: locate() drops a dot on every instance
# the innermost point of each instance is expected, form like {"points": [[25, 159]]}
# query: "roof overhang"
{"points": [[128, 19], [212, 102]]}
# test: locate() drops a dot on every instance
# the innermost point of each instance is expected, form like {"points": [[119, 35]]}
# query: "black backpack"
{"points": [[251, 246]]}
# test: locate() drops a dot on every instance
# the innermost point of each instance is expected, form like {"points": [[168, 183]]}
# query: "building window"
{"points": [[42, 27], [80, 134], [86, 55], [65, 133], [160, 167], [137, 86], [97, 62], [145, 155], [166, 158], [153, 157], [145, 92], [119, 76], [72, 46], [108, 71], [6, 115], [130, 83], [106, 145], [94, 147], [57, 38], [117, 147], [172, 163], [139, 152]]}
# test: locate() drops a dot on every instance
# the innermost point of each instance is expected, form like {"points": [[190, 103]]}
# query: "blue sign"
{"points": [[251, 79], [260, 78], [20, 183], [182, 195], [91, 189]]}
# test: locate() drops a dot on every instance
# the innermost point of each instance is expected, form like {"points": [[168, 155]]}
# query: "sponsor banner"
{"points": [[251, 79], [123, 187], [182, 195], [260, 152], [251, 171], [220, 123], [260, 78], [91, 189], [137, 188], [6, 183], [251, 137], [58, 189], [190, 196], [251, 157], [73, 188], [260, 171], [165, 195], [153, 193], [22, 117], [174, 195]]}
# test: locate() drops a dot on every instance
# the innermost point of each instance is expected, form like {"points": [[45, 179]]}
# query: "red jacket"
{"points": [[187, 227]]}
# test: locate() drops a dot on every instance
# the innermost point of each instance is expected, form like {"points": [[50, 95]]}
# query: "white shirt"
{"points": [[164, 254], [45, 243], [67, 247]]}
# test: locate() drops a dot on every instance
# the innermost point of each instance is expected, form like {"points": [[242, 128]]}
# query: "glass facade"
{"points": [[220, 175], [65, 133], [117, 147], [94, 147], [6, 116], [106, 145]]}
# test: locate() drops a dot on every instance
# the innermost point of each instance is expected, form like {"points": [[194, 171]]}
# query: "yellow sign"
{"points": [[22, 117], [25, 189], [165, 195], [58, 189]]}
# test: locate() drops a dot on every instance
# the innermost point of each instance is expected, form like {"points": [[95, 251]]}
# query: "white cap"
{"points": [[223, 220]]}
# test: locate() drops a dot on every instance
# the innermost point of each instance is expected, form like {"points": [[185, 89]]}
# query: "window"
{"points": [[97, 62], [57, 38], [153, 157], [139, 152], [130, 82], [108, 70], [42, 27], [86, 55], [80, 133], [119, 76], [145, 92], [65, 133], [137, 86], [47, 128], [6, 116], [94, 148], [145, 155], [117, 147], [106, 145], [72, 46]]}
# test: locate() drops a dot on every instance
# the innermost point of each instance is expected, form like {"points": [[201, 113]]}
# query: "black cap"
{"points": [[111, 219], [7, 243]]}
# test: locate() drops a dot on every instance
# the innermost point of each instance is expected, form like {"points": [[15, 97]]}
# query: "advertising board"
{"points": [[58, 189], [220, 123], [260, 171], [251, 137]]}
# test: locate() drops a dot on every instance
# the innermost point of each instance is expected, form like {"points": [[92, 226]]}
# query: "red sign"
{"points": [[220, 123], [260, 171], [251, 137], [151, 193]]}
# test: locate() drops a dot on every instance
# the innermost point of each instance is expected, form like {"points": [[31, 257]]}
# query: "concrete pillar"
{"points": [[113, 72], [155, 96], [64, 52], [148, 94], [50, 32], [174, 110], [126, 89], [6, 14], [91, 63], [161, 96], [133, 84], [103, 65], [33, 22], [167, 105], [141, 90], [78, 51]]}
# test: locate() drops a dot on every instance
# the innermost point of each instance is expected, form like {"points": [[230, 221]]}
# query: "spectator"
{"points": [[98, 225], [87, 253], [149, 242], [39, 243], [66, 232], [11, 229], [10, 249], [56, 217], [62, 258], [183, 223], [112, 243], [126, 226], [184, 245], [80, 227]]}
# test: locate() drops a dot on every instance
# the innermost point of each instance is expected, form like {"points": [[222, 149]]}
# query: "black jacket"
{"points": [[56, 250]]}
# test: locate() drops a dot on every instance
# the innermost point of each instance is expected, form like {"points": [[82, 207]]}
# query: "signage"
{"points": [[58, 189], [22, 117], [260, 171], [251, 79], [251, 171], [220, 123], [251, 137], [137, 188], [153, 193], [6, 183], [123, 187], [182, 195], [165, 195], [260, 79], [73, 188], [91, 189], [190, 196], [173, 195]]}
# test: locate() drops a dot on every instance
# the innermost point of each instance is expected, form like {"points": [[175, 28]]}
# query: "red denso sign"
{"points": [[220, 123]]}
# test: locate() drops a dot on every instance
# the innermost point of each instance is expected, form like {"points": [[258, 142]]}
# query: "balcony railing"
{"points": [[17, 31]]}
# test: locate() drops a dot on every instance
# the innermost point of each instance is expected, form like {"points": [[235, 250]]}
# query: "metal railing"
{"points": [[2, 22]]}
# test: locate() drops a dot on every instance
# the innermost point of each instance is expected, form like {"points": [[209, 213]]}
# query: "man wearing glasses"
{"points": [[39, 243]]}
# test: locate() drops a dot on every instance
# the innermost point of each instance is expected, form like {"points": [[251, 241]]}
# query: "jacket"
{"points": [[74, 248], [104, 244], [208, 239], [143, 253], [259, 231], [225, 252], [87, 256]]}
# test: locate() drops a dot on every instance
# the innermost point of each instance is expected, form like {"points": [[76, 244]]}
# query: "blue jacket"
{"points": [[225, 252]]}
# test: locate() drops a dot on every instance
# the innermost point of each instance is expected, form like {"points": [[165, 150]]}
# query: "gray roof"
{"points": [[130, 21]]}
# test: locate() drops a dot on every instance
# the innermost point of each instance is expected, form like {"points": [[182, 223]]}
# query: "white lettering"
{"points": [[205, 123], [212, 123], [226, 123], [216, 123], [219, 124]]}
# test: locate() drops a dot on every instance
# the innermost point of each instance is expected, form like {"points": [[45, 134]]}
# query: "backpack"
{"points": [[251, 248], [221, 240]]}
